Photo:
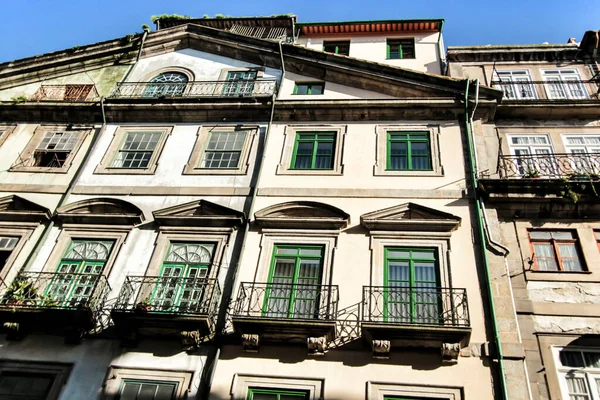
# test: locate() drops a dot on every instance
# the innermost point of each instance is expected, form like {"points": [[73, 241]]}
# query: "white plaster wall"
{"points": [[171, 163], [204, 66], [91, 359], [359, 158], [373, 48], [564, 292], [332, 90], [569, 325]]}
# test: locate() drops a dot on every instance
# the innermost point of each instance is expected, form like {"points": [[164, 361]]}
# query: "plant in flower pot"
{"points": [[20, 292], [143, 306], [532, 174]]}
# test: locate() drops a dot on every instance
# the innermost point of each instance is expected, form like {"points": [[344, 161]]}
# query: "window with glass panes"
{"points": [[556, 251], [224, 150], [294, 282], [78, 271], [7, 245], [579, 371], [147, 390], [16, 385], [167, 84], [408, 151], [313, 150], [309, 88], [54, 148], [411, 281], [337, 47], [564, 84], [585, 153], [276, 394], [137, 150], [516, 84], [400, 48]]}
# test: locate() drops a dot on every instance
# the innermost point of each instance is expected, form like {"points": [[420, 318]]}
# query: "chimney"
{"points": [[572, 40]]}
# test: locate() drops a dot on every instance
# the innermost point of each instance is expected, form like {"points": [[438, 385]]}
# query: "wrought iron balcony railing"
{"points": [[83, 92], [526, 90], [169, 295], [53, 290], [286, 301], [415, 306], [550, 166], [198, 89]]}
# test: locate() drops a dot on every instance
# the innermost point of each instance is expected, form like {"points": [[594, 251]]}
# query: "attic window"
{"points": [[309, 88], [168, 84], [337, 47], [400, 49]]}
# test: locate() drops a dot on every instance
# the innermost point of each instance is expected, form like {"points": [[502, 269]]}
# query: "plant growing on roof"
{"points": [[155, 18]]}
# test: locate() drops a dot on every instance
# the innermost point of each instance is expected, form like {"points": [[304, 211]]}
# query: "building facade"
{"points": [[537, 166]]}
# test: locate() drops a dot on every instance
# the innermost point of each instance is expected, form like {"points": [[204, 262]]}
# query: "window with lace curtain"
{"points": [[579, 371], [556, 251]]}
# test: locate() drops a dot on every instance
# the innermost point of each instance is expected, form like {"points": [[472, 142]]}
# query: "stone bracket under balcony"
{"points": [[257, 320], [139, 314]]}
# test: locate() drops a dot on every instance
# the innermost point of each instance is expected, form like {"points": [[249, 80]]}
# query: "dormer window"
{"points": [[167, 84]]}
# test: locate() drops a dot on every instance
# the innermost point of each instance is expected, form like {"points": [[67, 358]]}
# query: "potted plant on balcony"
{"points": [[20, 292], [143, 306], [532, 174]]}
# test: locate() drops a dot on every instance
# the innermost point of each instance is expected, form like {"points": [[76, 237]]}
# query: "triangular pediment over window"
{"points": [[18, 209], [303, 215], [103, 211], [410, 217], [199, 213]]}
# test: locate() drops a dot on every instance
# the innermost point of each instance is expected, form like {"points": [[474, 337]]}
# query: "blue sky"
{"points": [[32, 27]]}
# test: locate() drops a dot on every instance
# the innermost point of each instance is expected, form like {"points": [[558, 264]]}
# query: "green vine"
{"points": [[573, 189], [19, 99]]}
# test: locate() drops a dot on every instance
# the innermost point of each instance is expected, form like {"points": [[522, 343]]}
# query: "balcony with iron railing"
{"points": [[68, 92], [150, 305], [575, 166], [53, 302], [198, 89], [285, 311], [532, 91], [426, 316]]}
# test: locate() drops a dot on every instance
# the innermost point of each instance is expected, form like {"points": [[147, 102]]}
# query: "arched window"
{"points": [[167, 84]]}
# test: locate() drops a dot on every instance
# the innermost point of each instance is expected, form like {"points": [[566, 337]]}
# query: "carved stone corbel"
{"points": [[190, 340], [316, 345], [13, 331], [250, 342], [381, 349], [450, 352]]}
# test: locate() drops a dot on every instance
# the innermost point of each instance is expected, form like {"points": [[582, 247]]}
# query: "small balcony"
{"points": [[555, 90], [275, 312], [167, 306], [55, 303], [83, 92], [199, 89], [415, 317], [577, 166]]}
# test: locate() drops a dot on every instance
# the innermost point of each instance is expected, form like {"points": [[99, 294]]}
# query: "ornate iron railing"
{"points": [[286, 301], [83, 92], [198, 89], [547, 90], [54, 290], [550, 166], [415, 306], [169, 295]]}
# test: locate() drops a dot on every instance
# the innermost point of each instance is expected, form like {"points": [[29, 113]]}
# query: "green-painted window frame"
{"points": [[309, 88], [400, 49], [409, 138], [296, 276], [142, 381], [412, 282], [317, 137], [337, 47], [300, 394]]}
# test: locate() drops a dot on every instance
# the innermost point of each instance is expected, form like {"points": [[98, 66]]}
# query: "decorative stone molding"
{"points": [[199, 213], [102, 210], [302, 215], [410, 217], [250, 342], [381, 349], [450, 352], [190, 340], [316, 345]]}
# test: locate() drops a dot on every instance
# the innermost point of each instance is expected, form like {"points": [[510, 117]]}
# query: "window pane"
{"points": [[592, 359], [316, 89], [571, 359], [569, 257], [264, 396], [562, 235], [577, 388], [544, 254], [540, 235], [301, 89]]}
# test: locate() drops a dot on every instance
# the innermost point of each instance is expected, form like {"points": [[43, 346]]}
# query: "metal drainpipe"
{"points": [[503, 386], [137, 58], [38, 244], [213, 356]]}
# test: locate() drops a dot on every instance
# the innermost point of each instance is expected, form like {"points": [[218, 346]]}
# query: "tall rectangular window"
{"points": [[276, 394], [580, 374], [556, 251], [137, 149], [313, 150], [400, 49], [54, 149], [408, 151], [516, 85], [337, 47], [224, 150], [564, 84], [26, 386], [7, 245], [147, 390]]}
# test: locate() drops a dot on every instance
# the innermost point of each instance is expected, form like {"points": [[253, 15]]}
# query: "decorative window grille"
{"points": [[168, 84]]}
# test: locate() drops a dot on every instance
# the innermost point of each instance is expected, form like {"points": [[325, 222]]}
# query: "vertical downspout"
{"points": [[440, 50], [213, 355], [481, 232], [139, 54]]}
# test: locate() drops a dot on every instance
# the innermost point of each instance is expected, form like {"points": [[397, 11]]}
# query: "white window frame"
{"points": [[379, 390], [584, 163], [531, 152], [563, 75], [590, 374], [117, 375], [511, 76], [242, 382]]}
